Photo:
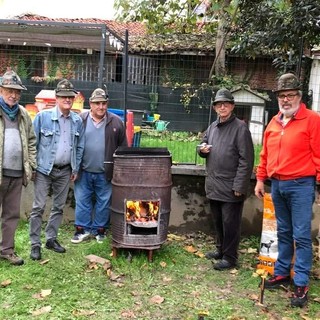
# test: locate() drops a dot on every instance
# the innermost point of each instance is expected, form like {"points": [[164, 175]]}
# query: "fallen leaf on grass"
{"points": [[128, 314], [44, 261], [112, 276], [28, 287], [174, 237], [41, 311], [46, 292], [163, 264], [157, 299], [166, 279], [199, 254], [41, 295], [190, 249], [5, 283], [253, 297], [234, 271], [316, 300], [79, 313], [260, 273]]}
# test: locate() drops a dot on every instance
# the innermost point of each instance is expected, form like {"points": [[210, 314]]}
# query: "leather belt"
{"points": [[60, 167], [280, 177]]}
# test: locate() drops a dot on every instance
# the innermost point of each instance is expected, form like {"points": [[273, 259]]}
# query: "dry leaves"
{"points": [[41, 311], [163, 264], [128, 314], [79, 313], [156, 299], [260, 273], [41, 295], [5, 283], [174, 237]]}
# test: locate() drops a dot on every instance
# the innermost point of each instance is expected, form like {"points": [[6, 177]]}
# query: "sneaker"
{"points": [[275, 282], [13, 259], [300, 297], [100, 237], [80, 235]]}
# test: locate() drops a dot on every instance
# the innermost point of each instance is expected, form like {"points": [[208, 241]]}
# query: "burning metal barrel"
{"points": [[141, 198]]}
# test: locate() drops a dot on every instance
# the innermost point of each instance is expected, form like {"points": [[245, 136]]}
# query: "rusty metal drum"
{"points": [[141, 179]]}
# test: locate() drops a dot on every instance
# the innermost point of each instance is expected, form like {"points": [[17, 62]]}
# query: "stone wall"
{"points": [[189, 206]]}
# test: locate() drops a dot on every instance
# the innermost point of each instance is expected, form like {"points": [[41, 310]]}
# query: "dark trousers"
{"points": [[10, 198], [227, 221]]}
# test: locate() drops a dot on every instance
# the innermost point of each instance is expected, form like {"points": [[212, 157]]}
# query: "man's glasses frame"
{"points": [[223, 103], [289, 96]]}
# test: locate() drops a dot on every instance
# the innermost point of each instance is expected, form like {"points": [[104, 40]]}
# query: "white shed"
{"points": [[250, 107], [314, 81]]}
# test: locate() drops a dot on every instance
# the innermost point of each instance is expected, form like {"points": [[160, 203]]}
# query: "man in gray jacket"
{"points": [[17, 160], [228, 149]]}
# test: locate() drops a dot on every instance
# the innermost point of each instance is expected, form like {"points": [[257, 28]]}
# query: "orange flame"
{"points": [[143, 211]]}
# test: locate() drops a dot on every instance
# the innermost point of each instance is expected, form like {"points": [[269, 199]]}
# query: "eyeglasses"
{"points": [[65, 97], [220, 104], [289, 96]]}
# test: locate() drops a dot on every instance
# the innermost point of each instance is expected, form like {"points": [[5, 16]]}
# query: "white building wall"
{"points": [[314, 83]]}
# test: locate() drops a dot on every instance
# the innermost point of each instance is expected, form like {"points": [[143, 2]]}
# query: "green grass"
{"points": [[182, 145], [186, 282]]}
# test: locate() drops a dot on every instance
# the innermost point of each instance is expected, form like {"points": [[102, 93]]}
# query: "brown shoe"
{"points": [[13, 259]]}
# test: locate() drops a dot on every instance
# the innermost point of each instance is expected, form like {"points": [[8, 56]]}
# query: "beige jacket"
{"points": [[28, 140]]}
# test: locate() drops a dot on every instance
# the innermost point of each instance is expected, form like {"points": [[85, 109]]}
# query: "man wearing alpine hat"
{"points": [[290, 157], [17, 160]]}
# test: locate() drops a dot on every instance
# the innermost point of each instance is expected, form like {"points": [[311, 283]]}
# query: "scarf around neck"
{"points": [[10, 112]]}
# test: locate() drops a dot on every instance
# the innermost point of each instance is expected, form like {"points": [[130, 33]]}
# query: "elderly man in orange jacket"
{"points": [[290, 157]]}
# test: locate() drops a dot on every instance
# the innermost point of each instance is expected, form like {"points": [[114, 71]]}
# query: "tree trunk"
{"points": [[219, 64]]}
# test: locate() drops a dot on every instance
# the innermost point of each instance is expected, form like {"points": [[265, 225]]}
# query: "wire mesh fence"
{"points": [[168, 93]]}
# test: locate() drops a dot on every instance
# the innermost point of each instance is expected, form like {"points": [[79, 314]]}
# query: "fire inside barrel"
{"points": [[142, 211]]}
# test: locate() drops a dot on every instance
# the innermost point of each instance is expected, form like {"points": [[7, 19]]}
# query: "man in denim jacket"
{"points": [[60, 143]]}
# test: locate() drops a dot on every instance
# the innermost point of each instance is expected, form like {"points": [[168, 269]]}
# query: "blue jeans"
{"points": [[93, 199], [293, 201]]}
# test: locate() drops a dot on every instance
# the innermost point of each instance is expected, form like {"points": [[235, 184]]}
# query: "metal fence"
{"points": [[168, 92]]}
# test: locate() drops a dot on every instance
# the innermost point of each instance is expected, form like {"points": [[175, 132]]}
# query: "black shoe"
{"points": [[216, 255], [300, 297], [275, 282], [35, 253], [54, 245], [223, 265]]}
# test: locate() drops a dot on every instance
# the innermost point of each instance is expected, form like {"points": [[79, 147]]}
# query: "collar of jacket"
{"points": [[219, 124]]}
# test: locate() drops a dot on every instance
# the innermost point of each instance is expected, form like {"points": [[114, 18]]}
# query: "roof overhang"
{"points": [[59, 35]]}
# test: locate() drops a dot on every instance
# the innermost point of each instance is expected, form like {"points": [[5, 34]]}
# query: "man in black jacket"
{"points": [[228, 149]]}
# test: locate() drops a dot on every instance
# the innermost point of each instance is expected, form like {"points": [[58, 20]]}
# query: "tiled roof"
{"points": [[139, 40], [134, 28]]}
